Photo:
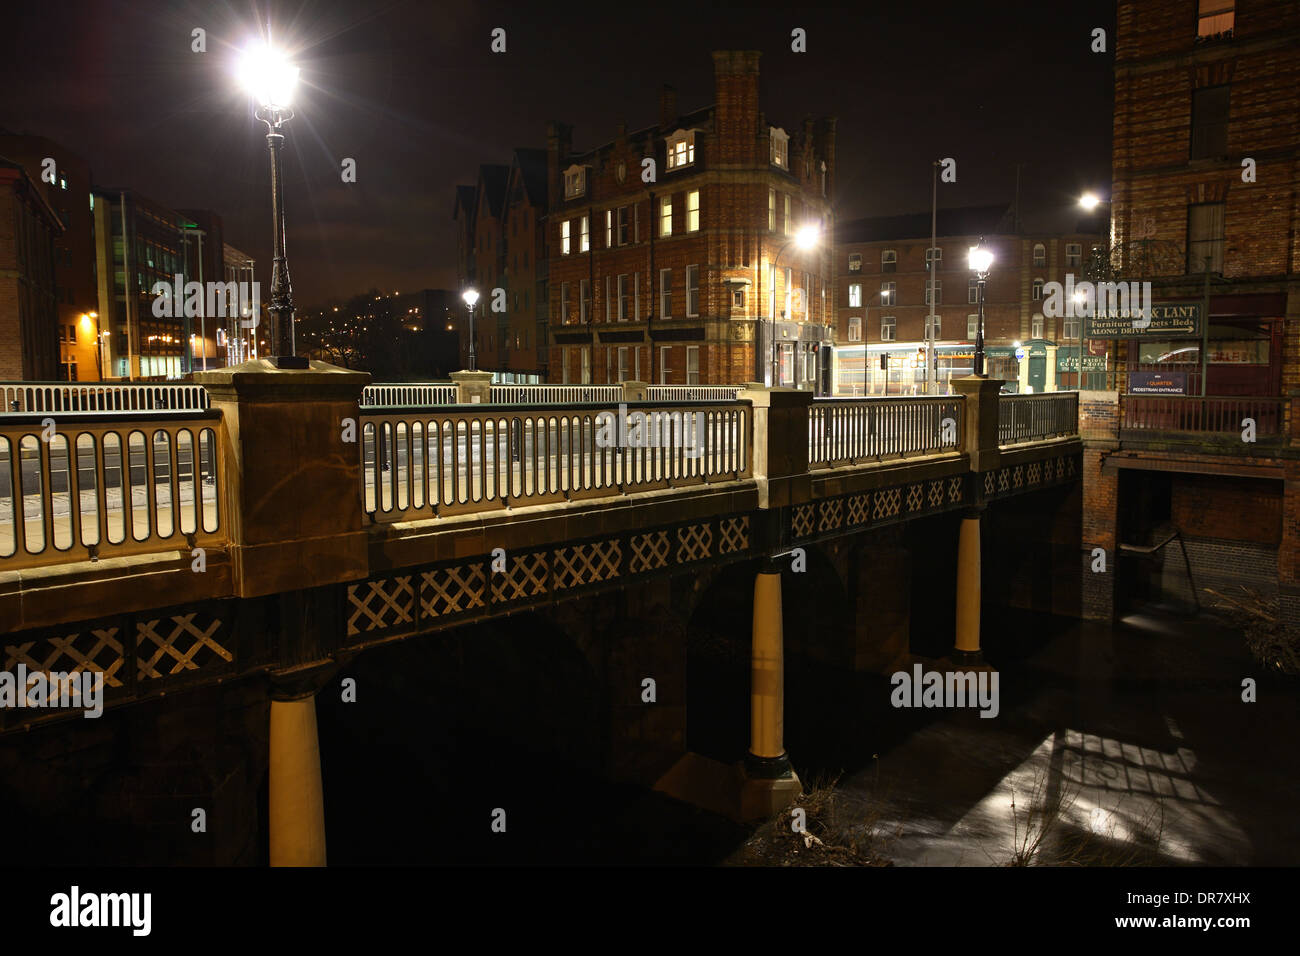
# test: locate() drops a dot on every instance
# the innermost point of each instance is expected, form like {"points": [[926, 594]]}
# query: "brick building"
{"points": [[501, 251], [883, 303], [64, 179], [1206, 206], [29, 230], [686, 276]]}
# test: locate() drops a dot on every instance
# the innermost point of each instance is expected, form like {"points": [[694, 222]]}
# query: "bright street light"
{"points": [[470, 296], [267, 75], [980, 259], [1089, 201], [807, 237]]}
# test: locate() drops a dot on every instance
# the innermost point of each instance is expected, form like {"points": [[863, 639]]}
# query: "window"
{"points": [[855, 328], [888, 324], [1070, 327], [663, 364], [738, 298], [787, 217], [935, 322], [780, 148], [1215, 18], [1209, 122], [887, 294], [564, 238], [584, 300], [693, 211], [586, 365], [692, 365], [565, 318], [972, 326], [692, 291], [1073, 253], [666, 293], [623, 299], [1037, 294], [622, 225], [575, 181], [888, 260], [934, 254], [1036, 326], [1040, 254], [666, 216], [622, 363], [1205, 237], [586, 239], [972, 291], [855, 262], [609, 228], [771, 210], [855, 295], [934, 292], [789, 292], [681, 149]]}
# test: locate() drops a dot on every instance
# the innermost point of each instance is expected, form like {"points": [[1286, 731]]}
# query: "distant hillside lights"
{"points": [[222, 300], [1110, 299]]}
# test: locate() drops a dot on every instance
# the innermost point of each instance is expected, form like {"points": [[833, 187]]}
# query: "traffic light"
{"points": [[884, 361]]}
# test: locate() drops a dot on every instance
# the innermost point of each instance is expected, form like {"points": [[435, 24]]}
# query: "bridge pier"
{"points": [[966, 649], [297, 803], [769, 783]]}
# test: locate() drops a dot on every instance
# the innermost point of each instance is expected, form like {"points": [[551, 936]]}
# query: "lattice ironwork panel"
{"points": [[525, 577], [453, 590], [90, 649], [859, 509], [936, 493], [1069, 467], [889, 501], [176, 643], [1060, 468], [694, 543], [990, 483], [801, 521], [733, 534], [832, 514], [1035, 474], [588, 563], [380, 604], [915, 497], [1003, 476], [1018, 477], [649, 551], [954, 490]]}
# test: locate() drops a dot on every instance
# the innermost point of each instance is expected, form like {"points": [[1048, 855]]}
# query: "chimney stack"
{"points": [[667, 108], [736, 117]]}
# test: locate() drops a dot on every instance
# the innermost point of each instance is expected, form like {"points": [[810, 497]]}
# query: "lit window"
{"points": [[692, 365], [888, 260], [681, 149], [855, 328], [693, 211], [771, 210], [934, 292], [780, 148], [609, 228], [564, 238], [855, 262], [855, 295], [1040, 254], [585, 237], [934, 254], [888, 324], [887, 293], [972, 325], [1215, 18], [622, 225], [575, 181], [787, 217], [666, 216]]}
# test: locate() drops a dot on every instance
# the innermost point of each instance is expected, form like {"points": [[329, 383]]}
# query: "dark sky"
{"points": [[413, 93]]}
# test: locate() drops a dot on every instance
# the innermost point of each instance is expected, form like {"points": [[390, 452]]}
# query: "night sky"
{"points": [[413, 93]]}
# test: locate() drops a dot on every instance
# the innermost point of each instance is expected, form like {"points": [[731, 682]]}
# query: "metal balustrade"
{"points": [[848, 431], [555, 394], [693, 393], [1211, 415], [107, 486], [29, 398], [413, 393], [1026, 418], [482, 458]]}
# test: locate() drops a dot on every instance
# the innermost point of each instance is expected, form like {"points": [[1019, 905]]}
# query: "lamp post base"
{"points": [[290, 361]]}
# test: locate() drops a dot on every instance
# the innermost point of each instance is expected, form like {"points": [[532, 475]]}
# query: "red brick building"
{"points": [[883, 307], [1206, 206], [29, 229], [672, 252]]}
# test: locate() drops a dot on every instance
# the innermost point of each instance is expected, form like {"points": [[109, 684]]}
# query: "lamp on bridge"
{"points": [[981, 260], [270, 79], [471, 297]]}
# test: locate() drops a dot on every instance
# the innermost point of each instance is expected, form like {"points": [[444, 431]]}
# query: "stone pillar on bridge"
{"points": [[472, 388], [635, 391], [966, 649], [296, 793]]}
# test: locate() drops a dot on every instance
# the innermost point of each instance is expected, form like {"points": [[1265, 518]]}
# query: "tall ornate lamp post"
{"points": [[270, 78], [806, 238], [471, 297], [980, 259]]}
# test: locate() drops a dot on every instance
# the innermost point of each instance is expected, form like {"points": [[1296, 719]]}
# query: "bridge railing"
{"points": [[29, 398], [1027, 418], [465, 459], [413, 393], [693, 393], [555, 394], [104, 485], [848, 431]]}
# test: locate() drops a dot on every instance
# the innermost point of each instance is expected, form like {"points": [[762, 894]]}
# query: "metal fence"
{"points": [[37, 397], [1181, 413], [414, 393], [555, 394], [481, 458], [100, 487], [1025, 418], [847, 431], [693, 393]]}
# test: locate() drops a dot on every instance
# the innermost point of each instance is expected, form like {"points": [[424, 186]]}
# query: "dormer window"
{"points": [[681, 148], [575, 182], [780, 147]]}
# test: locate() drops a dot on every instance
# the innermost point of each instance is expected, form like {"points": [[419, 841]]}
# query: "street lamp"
{"points": [[270, 79], [470, 296], [980, 260], [804, 239]]}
